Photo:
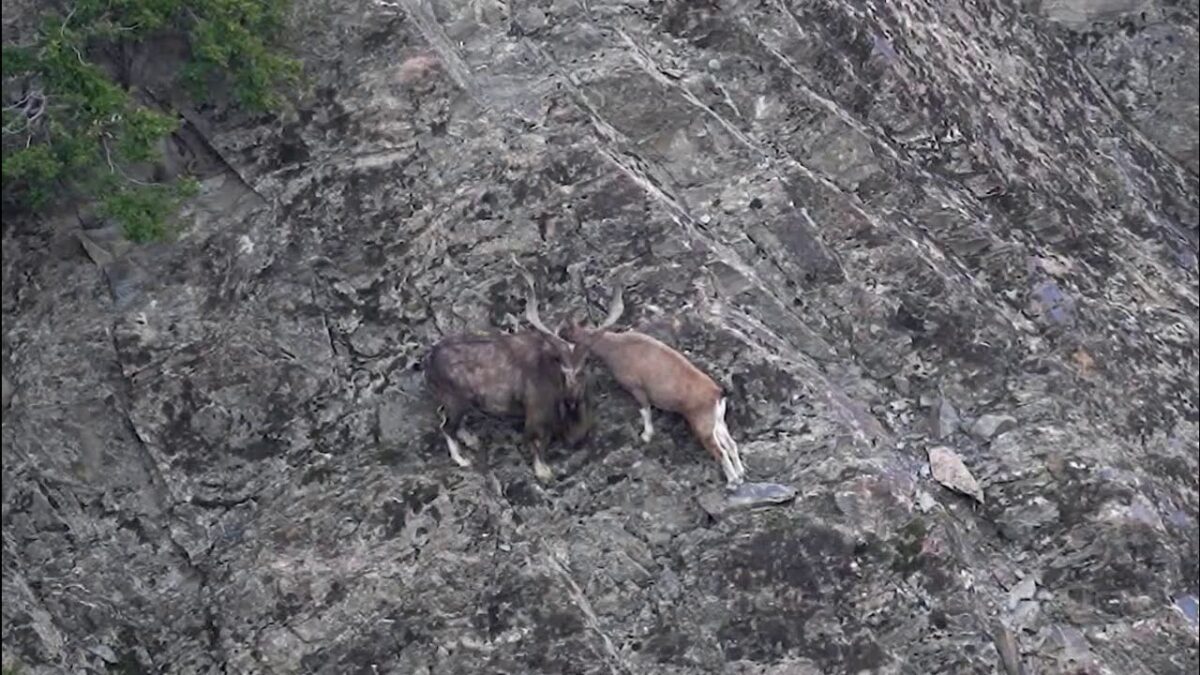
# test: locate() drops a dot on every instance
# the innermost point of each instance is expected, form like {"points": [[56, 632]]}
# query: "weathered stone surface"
{"points": [[838, 210], [948, 469], [1081, 13], [943, 419], [991, 425], [1143, 56], [747, 496]]}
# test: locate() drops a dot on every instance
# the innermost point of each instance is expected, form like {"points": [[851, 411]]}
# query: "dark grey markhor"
{"points": [[535, 374]]}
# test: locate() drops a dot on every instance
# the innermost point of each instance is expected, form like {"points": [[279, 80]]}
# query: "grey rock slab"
{"points": [[989, 426], [747, 496], [943, 419], [925, 501], [948, 469], [1079, 13], [1024, 615], [95, 250], [1008, 650], [1187, 606], [1142, 53], [1024, 590], [529, 20], [755, 494], [126, 281], [1021, 521]]}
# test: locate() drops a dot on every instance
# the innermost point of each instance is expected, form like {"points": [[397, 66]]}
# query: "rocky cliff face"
{"points": [[882, 227]]}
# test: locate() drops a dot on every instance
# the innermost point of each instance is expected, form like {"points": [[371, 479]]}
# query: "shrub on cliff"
{"points": [[71, 131]]}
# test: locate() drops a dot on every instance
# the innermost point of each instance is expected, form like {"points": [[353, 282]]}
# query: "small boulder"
{"points": [[747, 495], [989, 426], [1025, 590], [528, 21], [948, 469]]}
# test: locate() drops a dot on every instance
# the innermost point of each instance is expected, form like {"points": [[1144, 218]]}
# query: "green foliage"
{"points": [[30, 172], [140, 130], [225, 43], [17, 60], [144, 209], [74, 133]]}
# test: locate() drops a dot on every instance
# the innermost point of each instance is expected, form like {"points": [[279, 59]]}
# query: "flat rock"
{"points": [[1079, 13], [1006, 646], [95, 250], [1187, 606], [746, 496], [1024, 590], [989, 426], [755, 494], [948, 469]]}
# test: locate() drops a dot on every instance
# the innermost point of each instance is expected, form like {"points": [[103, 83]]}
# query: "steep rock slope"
{"points": [[883, 227], [1143, 57]]}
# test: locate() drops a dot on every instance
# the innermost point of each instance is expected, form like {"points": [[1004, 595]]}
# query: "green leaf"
{"points": [[141, 131], [17, 61], [142, 211]]}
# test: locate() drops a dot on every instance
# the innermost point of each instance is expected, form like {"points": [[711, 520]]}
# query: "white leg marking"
{"points": [[725, 440], [732, 479], [455, 453], [543, 472], [735, 457], [647, 425], [735, 453]]}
